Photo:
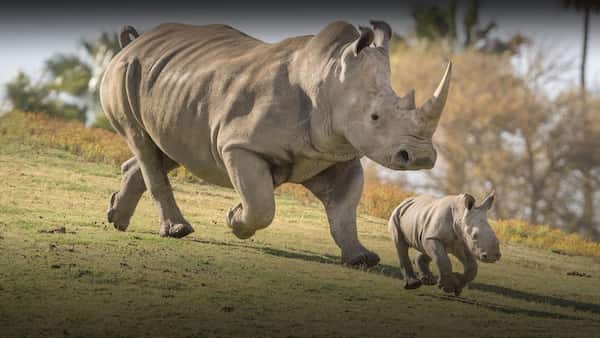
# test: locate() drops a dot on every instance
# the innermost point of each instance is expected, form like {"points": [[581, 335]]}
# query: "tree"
{"points": [[587, 180], [28, 97], [433, 23], [69, 86], [500, 129]]}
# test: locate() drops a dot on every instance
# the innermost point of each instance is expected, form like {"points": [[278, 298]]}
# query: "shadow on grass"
{"points": [[532, 297], [305, 256], [394, 272], [503, 308]]}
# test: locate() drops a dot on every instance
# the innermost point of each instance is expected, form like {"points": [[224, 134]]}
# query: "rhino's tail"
{"points": [[126, 33]]}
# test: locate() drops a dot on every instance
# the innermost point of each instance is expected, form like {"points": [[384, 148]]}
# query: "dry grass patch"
{"points": [[544, 237]]}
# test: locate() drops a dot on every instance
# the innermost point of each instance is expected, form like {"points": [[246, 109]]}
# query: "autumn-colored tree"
{"points": [[501, 129], [586, 136]]}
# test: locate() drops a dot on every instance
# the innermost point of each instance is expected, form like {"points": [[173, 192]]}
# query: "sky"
{"points": [[31, 32]]}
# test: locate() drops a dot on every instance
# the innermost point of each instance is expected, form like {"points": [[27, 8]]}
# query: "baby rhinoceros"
{"points": [[438, 226]]}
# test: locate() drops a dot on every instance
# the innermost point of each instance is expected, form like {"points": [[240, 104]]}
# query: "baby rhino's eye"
{"points": [[475, 235], [374, 117]]}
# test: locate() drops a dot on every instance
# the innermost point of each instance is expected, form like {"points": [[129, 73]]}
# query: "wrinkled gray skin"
{"points": [[241, 113], [438, 226]]}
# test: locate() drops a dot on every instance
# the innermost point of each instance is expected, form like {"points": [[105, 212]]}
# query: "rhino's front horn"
{"points": [[432, 109]]}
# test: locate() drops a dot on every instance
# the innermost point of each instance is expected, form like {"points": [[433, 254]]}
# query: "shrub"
{"points": [[102, 122], [544, 237], [380, 199], [96, 145]]}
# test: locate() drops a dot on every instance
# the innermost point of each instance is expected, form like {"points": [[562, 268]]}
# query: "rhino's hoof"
{"points": [[176, 230], [239, 231], [364, 259], [243, 233], [231, 214], [412, 283], [429, 280], [113, 216]]}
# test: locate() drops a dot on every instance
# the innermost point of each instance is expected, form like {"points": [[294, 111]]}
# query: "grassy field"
{"points": [[286, 281]]}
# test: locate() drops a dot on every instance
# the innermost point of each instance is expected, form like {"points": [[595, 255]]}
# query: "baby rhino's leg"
{"points": [[469, 263], [410, 279], [449, 282], [427, 277]]}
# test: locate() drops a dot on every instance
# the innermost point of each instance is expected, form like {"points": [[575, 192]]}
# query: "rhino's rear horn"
{"points": [[432, 109], [408, 100]]}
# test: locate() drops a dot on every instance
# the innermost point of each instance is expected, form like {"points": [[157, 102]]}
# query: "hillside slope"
{"points": [[286, 281]]}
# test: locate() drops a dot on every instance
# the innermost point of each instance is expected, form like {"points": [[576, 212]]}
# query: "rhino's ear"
{"points": [[383, 33], [469, 202], [488, 201], [364, 41]]}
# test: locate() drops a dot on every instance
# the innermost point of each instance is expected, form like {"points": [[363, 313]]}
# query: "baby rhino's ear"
{"points": [[469, 202], [488, 201]]}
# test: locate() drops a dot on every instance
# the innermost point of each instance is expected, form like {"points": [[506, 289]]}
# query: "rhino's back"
{"points": [[423, 217], [201, 87], [174, 44]]}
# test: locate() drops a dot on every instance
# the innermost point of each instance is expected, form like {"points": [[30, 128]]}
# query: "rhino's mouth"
{"points": [[487, 258]]}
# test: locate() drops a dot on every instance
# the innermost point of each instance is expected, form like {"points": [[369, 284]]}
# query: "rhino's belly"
{"points": [[187, 141], [304, 169], [198, 160]]}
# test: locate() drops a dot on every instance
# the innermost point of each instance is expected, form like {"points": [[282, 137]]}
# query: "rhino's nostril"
{"points": [[403, 157]]}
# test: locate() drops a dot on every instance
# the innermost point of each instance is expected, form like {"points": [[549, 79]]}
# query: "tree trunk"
{"points": [[586, 28], [587, 218], [587, 187]]}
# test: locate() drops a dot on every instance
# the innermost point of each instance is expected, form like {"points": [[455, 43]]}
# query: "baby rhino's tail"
{"points": [[126, 33]]}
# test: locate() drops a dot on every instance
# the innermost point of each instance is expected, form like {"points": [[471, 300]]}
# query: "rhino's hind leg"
{"points": [[410, 279], [252, 179], [427, 277], [123, 202], [339, 189], [152, 166]]}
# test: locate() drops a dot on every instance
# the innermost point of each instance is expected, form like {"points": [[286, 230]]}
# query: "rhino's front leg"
{"points": [[449, 281], [469, 262], [339, 189], [252, 179]]}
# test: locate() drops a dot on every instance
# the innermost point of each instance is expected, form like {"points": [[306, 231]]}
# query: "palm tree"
{"points": [[27, 96], [79, 77]]}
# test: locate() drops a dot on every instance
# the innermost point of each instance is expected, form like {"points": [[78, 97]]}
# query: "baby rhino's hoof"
{"points": [[412, 283], [176, 230]]}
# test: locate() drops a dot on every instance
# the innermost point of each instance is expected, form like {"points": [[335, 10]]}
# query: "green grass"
{"points": [[286, 281]]}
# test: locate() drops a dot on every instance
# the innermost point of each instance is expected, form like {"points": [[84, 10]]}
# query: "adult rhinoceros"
{"points": [[250, 115]]}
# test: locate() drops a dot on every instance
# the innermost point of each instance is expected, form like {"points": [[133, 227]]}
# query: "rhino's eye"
{"points": [[475, 236], [374, 117]]}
